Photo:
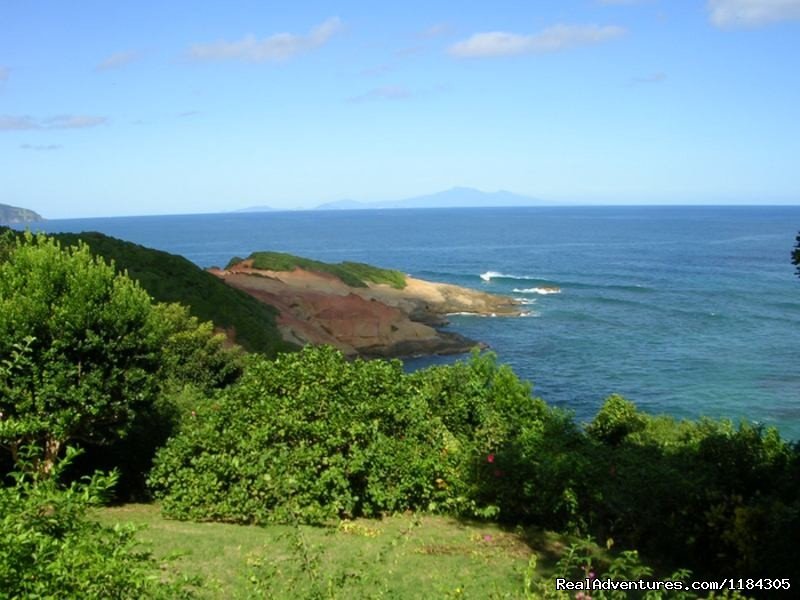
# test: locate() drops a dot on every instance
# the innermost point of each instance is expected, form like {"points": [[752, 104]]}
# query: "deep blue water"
{"points": [[685, 310]]}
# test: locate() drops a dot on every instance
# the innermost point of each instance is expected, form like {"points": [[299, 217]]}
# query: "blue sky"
{"points": [[180, 107]]}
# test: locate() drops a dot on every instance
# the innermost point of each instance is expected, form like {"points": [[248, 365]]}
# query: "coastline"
{"points": [[374, 321]]}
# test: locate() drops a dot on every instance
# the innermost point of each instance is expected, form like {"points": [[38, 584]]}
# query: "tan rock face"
{"points": [[317, 308]]}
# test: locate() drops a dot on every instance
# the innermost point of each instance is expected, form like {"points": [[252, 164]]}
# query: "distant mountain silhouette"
{"points": [[457, 197], [260, 208]]}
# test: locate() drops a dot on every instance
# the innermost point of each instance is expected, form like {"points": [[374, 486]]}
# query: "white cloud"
{"points": [[388, 92], [117, 60], [26, 123], [752, 13], [552, 39], [277, 47]]}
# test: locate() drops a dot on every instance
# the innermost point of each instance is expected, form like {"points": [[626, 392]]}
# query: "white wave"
{"points": [[526, 301], [489, 275], [529, 314], [543, 291]]}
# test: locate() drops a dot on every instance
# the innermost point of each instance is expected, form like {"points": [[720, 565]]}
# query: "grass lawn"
{"points": [[405, 556]]}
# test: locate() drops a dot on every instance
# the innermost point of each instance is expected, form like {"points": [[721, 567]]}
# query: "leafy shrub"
{"points": [[79, 348], [707, 494], [50, 548], [616, 419], [308, 434], [514, 453]]}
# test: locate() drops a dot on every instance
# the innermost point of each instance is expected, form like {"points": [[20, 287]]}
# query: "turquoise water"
{"points": [[686, 311]]}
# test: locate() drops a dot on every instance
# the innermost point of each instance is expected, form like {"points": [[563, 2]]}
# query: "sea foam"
{"points": [[544, 291]]}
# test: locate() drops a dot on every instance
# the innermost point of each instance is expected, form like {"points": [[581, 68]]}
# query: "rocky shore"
{"points": [[376, 320]]}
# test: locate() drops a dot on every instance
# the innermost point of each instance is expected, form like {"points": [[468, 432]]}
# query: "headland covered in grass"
{"points": [[360, 309], [352, 273]]}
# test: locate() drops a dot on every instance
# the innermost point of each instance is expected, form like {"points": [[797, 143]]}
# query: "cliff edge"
{"points": [[14, 215]]}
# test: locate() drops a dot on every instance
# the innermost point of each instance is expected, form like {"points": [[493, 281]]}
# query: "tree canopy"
{"points": [[79, 347], [796, 255]]}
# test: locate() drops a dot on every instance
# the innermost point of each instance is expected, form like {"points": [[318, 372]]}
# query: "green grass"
{"points": [[171, 278], [352, 273], [405, 556]]}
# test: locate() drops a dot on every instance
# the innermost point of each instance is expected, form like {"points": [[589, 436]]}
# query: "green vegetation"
{"points": [[796, 254], [79, 347], [50, 548], [313, 439], [352, 273], [171, 278], [402, 556]]}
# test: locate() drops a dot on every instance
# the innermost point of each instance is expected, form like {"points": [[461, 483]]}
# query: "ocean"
{"points": [[686, 311]]}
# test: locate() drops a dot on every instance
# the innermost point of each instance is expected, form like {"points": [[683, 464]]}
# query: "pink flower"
{"points": [[591, 575], [487, 538], [490, 458]]}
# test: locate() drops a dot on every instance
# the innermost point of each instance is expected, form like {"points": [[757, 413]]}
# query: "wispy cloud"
{"points": [[552, 39], [277, 47], [5, 73], [188, 113], [26, 123], [752, 13], [41, 147], [117, 61], [388, 92], [434, 31], [649, 79]]}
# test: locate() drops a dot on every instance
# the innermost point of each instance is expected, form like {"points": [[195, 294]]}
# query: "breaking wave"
{"points": [[544, 291]]}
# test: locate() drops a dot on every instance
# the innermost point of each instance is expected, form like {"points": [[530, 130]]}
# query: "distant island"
{"points": [[457, 197], [259, 208], [13, 215]]}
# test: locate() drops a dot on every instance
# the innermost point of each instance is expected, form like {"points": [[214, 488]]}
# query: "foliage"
{"points": [[194, 362], [616, 419], [49, 548], [796, 254], [171, 278], [509, 452], [582, 561], [78, 347], [352, 273], [706, 493], [309, 432]]}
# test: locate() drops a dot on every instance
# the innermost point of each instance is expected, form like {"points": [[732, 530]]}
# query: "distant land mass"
{"points": [[12, 215], [457, 197], [259, 208]]}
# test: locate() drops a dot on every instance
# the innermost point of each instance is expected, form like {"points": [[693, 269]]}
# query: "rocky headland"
{"points": [[365, 314], [14, 215]]}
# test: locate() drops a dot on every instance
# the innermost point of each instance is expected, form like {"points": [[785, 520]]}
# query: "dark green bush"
{"points": [[308, 434], [512, 450], [706, 494]]}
